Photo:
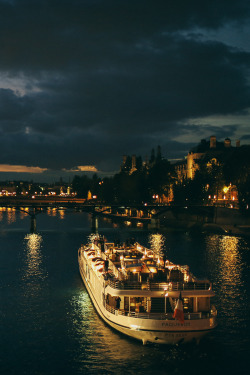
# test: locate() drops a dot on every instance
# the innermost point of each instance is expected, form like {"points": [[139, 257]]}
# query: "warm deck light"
{"points": [[152, 270]]}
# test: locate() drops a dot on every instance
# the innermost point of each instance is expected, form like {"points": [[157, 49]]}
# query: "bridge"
{"points": [[139, 214], [78, 203]]}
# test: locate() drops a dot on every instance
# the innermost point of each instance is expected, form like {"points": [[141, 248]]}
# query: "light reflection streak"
{"points": [[11, 215], [22, 212], [34, 256], [51, 211], [226, 265], [157, 242], [109, 351], [96, 337], [54, 212], [232, 265], [224, 256], [61, 214]]}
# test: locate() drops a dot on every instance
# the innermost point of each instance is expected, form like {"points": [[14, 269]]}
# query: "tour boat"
{"points": [[141, 294]]}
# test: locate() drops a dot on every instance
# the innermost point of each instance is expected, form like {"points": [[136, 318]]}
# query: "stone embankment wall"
{"points": [[215, 219], [228, 216]]}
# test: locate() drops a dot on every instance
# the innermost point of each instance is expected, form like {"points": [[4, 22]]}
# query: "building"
{"points": [[209, 153], [131, 164]]}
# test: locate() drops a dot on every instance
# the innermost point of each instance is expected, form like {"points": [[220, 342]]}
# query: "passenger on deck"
{"points": [[118, 301]]}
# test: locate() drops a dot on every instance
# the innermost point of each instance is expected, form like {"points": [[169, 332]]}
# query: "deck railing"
{"points": [[116, 284], [190, 286], [172, 286], [160, 316]]}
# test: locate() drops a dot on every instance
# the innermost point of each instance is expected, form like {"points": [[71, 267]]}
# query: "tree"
{"points": [[152, 157], [106, 191], [160, 178], [237, 172], [158, 155], [81, 185]]}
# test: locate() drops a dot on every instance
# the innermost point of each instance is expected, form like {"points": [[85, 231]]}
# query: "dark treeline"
{"points": [[125, 187], [143, 182]]}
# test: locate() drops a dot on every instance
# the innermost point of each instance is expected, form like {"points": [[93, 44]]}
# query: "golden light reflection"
{"points": [[231, 262], [61, 214], [224, 250], [33, 255], [52, 211], [23, 212], [226, 266], [157, 242], [11, 215], [103, 339]]}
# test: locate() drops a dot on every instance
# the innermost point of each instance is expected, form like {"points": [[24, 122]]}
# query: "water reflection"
{"points": [[231, 260], [97, 341], [33, 256], [226, 264], [157, 242], [51, 327], [52, 211], [23, 212], [102, 350], [11, 215], [1, 214], [61, 213], [225, 258]]}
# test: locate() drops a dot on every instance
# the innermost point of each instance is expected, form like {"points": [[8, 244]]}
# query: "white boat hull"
{"points": [[147, 330]]}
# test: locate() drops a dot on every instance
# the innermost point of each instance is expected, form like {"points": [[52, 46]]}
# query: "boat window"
{"points": [[188, 304], [138, 304]]}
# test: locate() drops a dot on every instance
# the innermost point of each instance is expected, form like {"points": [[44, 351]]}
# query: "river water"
{"points": [[49, 325]]}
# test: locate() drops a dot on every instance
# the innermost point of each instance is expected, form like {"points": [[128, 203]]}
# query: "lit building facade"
{"points": [[209, 153]]}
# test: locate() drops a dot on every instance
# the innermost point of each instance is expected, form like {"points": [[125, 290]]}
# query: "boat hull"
{"points": [[146, 330]]}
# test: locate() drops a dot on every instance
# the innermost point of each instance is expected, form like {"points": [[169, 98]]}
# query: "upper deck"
{"points": [[136, 268]]}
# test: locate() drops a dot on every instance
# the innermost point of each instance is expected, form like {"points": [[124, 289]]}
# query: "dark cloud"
{"points": [[13, 108], [83, 82]]}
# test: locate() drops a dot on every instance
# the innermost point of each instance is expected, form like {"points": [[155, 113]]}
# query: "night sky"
{"points": [[83, 82]]}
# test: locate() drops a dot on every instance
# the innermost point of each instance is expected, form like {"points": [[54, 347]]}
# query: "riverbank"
{"points": [[220, 229], [221, 221], [218, 220]]}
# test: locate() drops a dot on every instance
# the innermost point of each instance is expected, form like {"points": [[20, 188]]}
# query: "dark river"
{"points": [[49, 325]]}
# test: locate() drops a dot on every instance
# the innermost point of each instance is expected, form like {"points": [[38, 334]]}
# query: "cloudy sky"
{"points": [[83, 82]]}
